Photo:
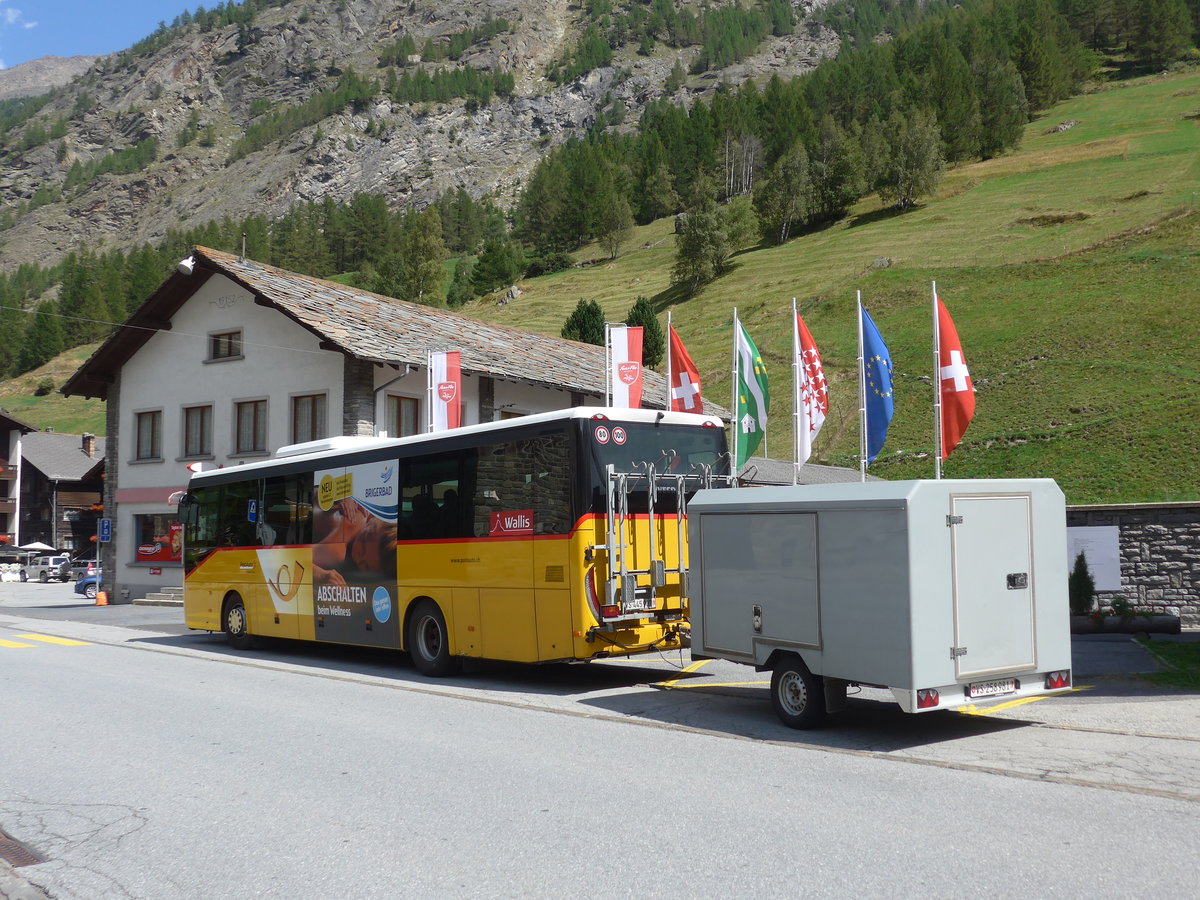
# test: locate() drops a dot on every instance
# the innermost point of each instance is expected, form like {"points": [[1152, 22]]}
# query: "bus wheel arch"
{"points": [[235, 622], [427, 639]]}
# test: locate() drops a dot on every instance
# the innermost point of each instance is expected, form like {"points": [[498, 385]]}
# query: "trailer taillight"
{"points": [[927, 698], [610, 612], [1061, 679]]}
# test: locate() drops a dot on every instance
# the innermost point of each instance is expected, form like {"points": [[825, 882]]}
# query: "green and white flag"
{"points": [[753, 400]]}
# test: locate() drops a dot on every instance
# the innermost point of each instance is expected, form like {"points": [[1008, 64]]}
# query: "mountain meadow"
{"points": [[1071, 267]]}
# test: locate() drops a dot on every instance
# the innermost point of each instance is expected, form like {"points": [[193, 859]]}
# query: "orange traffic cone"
{"points": [[102, 598]]}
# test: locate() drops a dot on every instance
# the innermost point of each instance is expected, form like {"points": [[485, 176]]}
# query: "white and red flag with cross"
{"points": [[684, 386], [445, 389], [812, 390], [625, 366], [957, 400]]}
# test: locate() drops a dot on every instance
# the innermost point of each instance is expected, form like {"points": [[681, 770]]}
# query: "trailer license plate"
{"points": [[991, 688]]}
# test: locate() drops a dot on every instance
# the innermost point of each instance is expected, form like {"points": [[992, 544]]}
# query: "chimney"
{"points": [[89, 444]]}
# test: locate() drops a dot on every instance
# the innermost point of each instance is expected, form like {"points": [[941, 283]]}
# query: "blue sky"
{"points": [[33, 28]]}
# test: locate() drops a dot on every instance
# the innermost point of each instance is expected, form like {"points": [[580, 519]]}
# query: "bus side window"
{"points": [[298, 497], [430, 500], [236, 529]]}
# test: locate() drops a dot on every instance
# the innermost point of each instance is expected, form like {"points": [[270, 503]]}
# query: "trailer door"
{"points": [[993, 584]]}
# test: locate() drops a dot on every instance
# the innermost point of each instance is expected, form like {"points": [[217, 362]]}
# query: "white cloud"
{"points": [[28, 25], [12, 16]]}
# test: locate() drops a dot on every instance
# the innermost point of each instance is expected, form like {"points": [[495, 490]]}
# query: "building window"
{"points": [[159, 539], [149, 435], [308, 418], [225, 345], [197, 431], [403, 416], [251, 426]]}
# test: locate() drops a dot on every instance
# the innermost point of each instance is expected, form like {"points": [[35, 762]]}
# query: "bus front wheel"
{"points": [[429, 642], [236, 624]]}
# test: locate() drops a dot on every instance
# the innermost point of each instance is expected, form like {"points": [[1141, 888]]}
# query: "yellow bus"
{"points": [[558, 536]]}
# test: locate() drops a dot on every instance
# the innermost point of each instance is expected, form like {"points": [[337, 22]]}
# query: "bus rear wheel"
{"points": [[236, 624], [429, 641], [796, 693]]}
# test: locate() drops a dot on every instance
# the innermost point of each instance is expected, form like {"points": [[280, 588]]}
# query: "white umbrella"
{"points": [[37, 545]]}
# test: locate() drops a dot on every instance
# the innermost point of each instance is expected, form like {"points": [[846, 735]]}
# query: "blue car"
{"points": [[89, 585]]}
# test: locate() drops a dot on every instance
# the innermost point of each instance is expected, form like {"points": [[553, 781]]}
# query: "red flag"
{"points": [[813, 390], [685, 378], [958, 394], [625, 376]]}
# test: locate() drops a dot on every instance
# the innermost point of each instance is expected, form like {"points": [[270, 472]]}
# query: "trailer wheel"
{"points": [[796, 693], [429, 641]]}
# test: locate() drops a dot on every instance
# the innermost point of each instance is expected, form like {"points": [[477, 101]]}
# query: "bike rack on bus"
{"points": [[621, 583]]}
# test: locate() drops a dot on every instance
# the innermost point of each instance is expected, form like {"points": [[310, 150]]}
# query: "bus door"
{"points": [[282, 528]]}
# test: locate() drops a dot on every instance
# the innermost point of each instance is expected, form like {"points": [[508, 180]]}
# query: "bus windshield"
{"points": [[672, 450]]}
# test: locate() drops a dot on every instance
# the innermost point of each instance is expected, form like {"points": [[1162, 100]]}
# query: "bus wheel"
{"points": [[236, 624], [796, 693], [429, 642]]}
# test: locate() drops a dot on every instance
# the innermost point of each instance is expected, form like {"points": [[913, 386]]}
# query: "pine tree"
{"points": [[585, 324], [1163, 31], [43, 339], [654, 341], [424, 252]]}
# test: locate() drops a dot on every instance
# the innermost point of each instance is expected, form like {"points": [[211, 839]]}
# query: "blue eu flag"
{"points": [[877, 375]]}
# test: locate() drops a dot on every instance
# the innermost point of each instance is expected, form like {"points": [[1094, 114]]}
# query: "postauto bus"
{"points": [[551, 537]]}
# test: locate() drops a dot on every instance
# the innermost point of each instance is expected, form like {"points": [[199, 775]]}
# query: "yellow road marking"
{"points": [[712, 684], [4, 643], [692, 668], [47, 639], [973, 710]]}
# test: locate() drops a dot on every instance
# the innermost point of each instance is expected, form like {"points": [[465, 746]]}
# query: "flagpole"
{"points": [[607, 366], [795, 397], [429, 391], [862, 397], [734, 401], [667, 407], [937, 387]]}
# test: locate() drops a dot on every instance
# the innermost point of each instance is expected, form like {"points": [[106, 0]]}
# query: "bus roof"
{"points": [[340, 445]]}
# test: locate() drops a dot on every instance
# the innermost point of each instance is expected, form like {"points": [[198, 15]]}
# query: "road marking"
{"points": [[692, 668], [973, 710], [47, 639], [709, 684], [4, 643]]}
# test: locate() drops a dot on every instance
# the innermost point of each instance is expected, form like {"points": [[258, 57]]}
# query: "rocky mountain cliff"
{"points": [[38, 76], [219, 82]]}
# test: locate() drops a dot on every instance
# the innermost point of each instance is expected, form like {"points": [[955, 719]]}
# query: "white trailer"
{"points": [[946, 592]]}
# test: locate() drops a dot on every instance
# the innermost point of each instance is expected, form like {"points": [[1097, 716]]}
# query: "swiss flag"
{"points": [[958, 393], [685, 378], [625, 358], [445, 374]]}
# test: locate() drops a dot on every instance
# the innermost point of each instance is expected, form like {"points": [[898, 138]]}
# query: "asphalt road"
{"points": [[147, 761]]}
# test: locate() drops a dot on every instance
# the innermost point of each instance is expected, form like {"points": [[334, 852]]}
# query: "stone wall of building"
{"points": [[1160, 554]]}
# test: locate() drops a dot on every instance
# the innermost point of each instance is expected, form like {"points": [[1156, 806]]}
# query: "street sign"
{"points": [[105, 531]]}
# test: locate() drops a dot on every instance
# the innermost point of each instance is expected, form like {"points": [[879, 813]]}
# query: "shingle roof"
{"points": [[60, 457], [8, 421], [374, 328]]}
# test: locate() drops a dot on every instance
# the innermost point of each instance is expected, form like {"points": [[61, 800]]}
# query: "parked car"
{"points": [[45, 568], [84, 565], [89, 585]]}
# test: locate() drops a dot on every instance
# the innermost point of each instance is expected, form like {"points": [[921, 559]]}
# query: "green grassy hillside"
{"points": [[70, 415], [1071, 270]]}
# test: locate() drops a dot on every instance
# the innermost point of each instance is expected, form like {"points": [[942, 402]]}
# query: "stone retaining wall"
{"points": [[1160, 554]]}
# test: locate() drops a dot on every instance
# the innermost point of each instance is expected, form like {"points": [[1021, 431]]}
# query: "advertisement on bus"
{"points": [[354, 555]]}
